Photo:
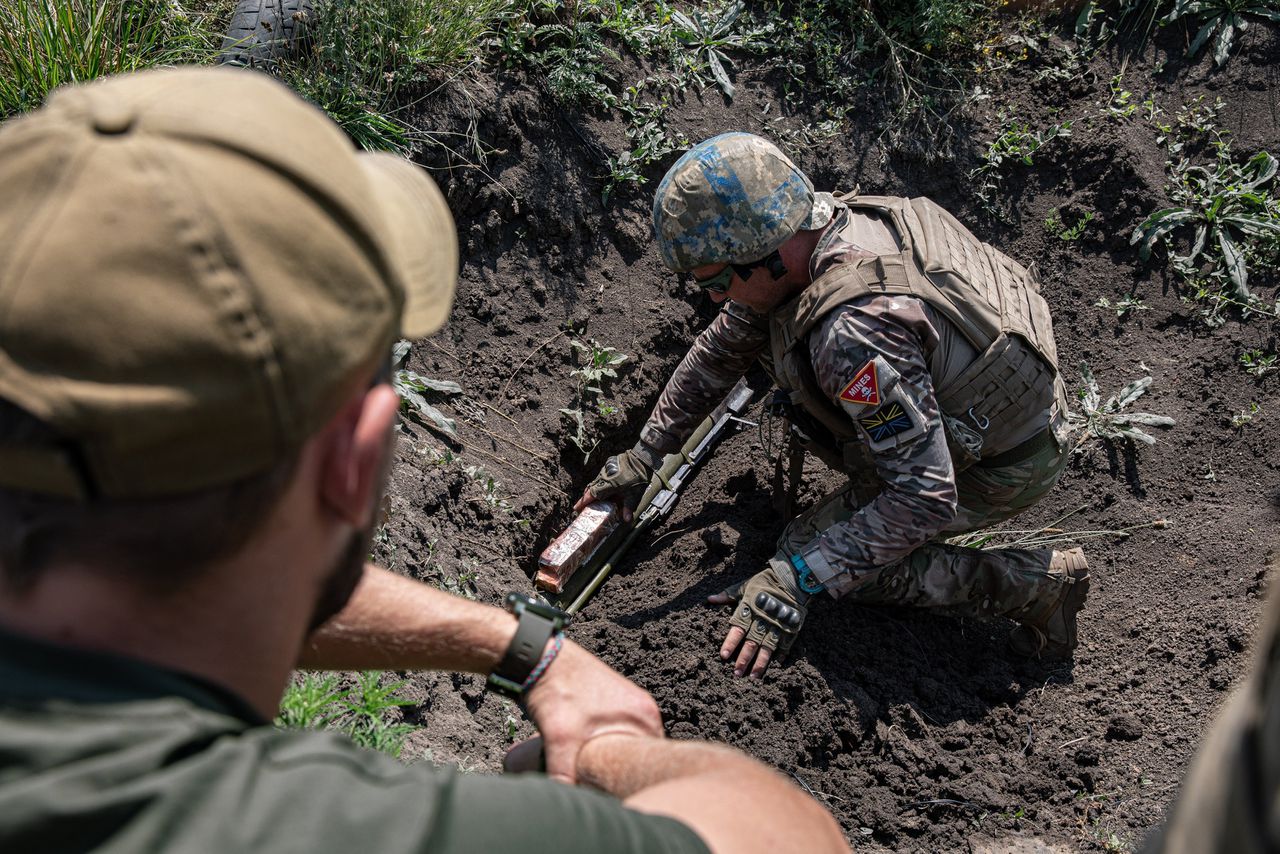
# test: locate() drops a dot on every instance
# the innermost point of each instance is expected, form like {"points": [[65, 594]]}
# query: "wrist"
{"points": [[535, 644], [805, 580], [648, 455]]}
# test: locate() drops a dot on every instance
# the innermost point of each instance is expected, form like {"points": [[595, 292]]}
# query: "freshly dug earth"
{"points": [[919, 731]]}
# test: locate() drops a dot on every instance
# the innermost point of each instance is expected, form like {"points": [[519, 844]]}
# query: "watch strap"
{"points": [[522, 656]]}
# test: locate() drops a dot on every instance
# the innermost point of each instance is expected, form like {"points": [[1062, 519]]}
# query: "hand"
{"points": [[578, 698], [624, 476], [769, 616]]}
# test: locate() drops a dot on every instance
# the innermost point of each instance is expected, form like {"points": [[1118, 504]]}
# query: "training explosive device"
{"points": [[571, 589], [577, 545]]}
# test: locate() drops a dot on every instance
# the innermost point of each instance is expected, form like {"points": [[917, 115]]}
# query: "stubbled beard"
{"points": [[340, 584]]}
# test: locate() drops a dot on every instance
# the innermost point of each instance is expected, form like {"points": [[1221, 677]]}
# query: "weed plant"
{"points": [[45, 44], [919, 55], [1220, 20], [1015, 143], [709, 40], [1258, 364], [1055, 225], [1107, 420], [599, 363], [316, 702], [1228, 209], [1123, 305], [412, 389], [1131, 22]]}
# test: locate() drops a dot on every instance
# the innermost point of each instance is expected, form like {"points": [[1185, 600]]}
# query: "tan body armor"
{"points": [[991, 299]]}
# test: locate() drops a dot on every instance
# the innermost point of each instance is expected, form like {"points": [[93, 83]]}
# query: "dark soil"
{"points": [[919, 731]]}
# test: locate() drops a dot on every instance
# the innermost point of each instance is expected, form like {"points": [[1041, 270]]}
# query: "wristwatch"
{"points": [[539, 622]]}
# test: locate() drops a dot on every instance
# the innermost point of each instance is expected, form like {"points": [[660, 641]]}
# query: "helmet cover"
{"points": [[732, 199]]}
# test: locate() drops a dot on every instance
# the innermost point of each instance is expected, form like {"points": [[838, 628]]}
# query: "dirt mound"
{"points": [[919, 731]]}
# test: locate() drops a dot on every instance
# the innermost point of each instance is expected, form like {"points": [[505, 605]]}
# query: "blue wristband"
{"points": [[804, 576]]}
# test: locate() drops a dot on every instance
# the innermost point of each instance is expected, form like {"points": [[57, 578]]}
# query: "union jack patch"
{"points": [[887, 422]]}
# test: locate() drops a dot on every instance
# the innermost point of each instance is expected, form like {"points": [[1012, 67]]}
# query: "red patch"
{"points": [[865, 387]]}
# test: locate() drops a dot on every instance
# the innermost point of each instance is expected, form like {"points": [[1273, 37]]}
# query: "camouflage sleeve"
{"points": [[720, 355], [871, 359]]}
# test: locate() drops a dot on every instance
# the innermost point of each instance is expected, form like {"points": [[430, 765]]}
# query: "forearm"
{"points": [[718, 358], [396, 623], [705, 786]]}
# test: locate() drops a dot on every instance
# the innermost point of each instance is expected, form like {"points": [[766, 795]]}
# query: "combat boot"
{"points": [[1052, 632]]}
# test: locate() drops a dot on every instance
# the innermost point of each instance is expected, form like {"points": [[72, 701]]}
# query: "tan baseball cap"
{"points": [[197, 268]]}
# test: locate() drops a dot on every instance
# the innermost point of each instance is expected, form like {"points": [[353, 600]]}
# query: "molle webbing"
{"points": [[993, 300]]}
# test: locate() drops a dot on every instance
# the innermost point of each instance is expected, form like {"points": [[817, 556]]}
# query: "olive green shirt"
{"points": [[101, 753]]}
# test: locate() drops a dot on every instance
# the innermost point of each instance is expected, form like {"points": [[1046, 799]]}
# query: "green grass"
{"points": [[316, 702], [366, 55], [45, 44]]}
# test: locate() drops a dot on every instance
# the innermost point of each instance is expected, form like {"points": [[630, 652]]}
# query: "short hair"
{"points": [[157, 543]]}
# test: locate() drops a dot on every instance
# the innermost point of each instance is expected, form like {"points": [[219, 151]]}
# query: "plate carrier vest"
{"points": [[993, 300]]}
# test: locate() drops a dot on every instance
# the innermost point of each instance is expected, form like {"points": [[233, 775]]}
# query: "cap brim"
{"points": [[421, 239], [824, 207]]}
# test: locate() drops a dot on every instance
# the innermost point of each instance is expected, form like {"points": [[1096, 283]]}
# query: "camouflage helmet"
{"points": [[733, 199]]}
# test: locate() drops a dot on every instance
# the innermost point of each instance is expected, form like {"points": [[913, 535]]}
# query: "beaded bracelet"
{"points": [[547, 657]]}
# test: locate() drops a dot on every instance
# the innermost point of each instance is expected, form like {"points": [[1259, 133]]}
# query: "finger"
{"points": [[762, 662], [559, 761], [587, 498], [727, 596], [731, 641], [744, 657], [626, 514], [524, 757]]}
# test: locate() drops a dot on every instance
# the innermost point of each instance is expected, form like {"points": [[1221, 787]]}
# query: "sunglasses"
{"points": [[719, 283]]}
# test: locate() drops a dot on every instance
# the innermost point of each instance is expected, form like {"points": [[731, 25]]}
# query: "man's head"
{"points": [[201, 276], [726, 211]]}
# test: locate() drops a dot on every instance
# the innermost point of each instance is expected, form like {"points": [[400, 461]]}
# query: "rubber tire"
{"points": [[264, 31]]}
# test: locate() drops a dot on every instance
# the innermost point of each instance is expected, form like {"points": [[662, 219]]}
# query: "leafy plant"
{"points": [[1244, 416], [412, 388], [648, 137], [493, 493], [1231, 210], [710, 40], [47, 43], [1015, 143], [1259, 364], [1054, 224], [1108, 420], [1124, 305], [316, 702], [1220, 20], [600, 363]]}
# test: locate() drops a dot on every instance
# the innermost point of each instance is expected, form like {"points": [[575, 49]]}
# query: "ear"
{"points": [[358, 452]]}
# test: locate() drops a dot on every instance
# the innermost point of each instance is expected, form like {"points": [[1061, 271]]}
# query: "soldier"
{"points": [[200, 286], [912, 356]]}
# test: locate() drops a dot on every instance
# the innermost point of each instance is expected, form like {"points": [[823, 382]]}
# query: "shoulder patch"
{"points": [[885, 423], [864, 388]]}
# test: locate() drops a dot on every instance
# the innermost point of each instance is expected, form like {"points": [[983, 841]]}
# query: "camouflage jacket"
{"points": [[911, 456]]}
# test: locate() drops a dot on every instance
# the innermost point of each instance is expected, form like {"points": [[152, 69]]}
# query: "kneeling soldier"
{"points": [[909, 354]]}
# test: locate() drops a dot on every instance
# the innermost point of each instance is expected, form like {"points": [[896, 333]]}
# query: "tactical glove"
{"points": [[624, 476], [771, 608]]}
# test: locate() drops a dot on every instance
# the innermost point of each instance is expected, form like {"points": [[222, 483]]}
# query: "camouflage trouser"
{"points": [[980, 582]]}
